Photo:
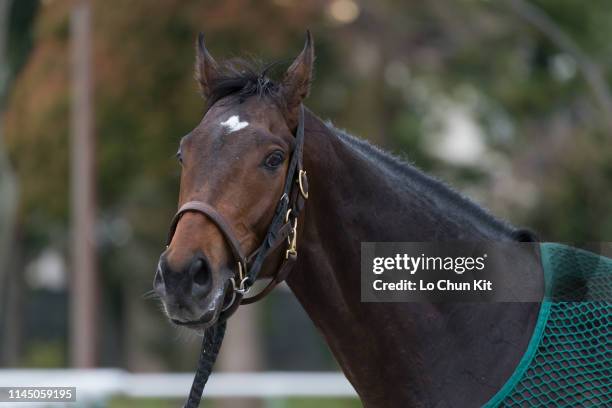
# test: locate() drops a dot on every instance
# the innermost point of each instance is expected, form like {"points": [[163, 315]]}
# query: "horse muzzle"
{"points": [[192, 297]]}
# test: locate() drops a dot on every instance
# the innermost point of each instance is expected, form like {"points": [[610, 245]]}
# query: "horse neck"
{"points": [[358, 194], [355, 185]]}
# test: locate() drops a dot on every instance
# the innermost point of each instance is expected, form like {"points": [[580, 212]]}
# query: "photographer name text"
{"points": [[441, 285]]}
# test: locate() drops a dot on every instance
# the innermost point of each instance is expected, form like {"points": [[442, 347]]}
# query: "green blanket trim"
{"points": [[497, 399]]}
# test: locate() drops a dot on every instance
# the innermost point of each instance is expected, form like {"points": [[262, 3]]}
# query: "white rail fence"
{"points": [[94, 387]]}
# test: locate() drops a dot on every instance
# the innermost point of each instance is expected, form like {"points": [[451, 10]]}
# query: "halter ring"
{"points": [[242, 289], [231, 302]]}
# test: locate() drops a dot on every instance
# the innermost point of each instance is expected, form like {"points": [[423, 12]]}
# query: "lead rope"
{"points": [[211, 344]]}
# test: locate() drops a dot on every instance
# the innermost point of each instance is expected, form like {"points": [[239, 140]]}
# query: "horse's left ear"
{"points": [[297, 80]]}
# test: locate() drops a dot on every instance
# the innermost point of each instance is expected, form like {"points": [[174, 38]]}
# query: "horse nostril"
{"points": [[201, 274]]}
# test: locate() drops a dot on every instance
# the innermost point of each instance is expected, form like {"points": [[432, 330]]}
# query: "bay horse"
{"points": [[236, 161]]}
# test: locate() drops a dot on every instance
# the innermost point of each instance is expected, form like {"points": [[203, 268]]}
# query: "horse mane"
{"points": [[244, 78], [410, 175]]}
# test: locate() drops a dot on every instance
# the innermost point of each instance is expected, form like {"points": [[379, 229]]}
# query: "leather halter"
{"points": [[282, 229]]}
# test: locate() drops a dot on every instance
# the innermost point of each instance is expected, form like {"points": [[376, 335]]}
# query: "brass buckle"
{"points": [[292, 238], [301, 184]]}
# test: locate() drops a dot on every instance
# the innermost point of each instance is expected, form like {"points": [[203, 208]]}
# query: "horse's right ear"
{"points": [[297, 80], [206, 68]]}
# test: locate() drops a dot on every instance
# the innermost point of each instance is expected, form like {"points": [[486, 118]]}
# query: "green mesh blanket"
{"points": [[568, 362]]}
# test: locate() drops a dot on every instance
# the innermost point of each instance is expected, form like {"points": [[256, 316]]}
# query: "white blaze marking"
{"points": [[234, 124]]}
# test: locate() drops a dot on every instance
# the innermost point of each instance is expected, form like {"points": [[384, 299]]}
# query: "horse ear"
{"points": [[206, 68], [297, 80]]}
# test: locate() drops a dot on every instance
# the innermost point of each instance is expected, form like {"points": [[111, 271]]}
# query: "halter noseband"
{"points": [[283, 228]]}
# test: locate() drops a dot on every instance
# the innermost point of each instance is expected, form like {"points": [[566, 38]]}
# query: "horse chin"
{"points": [[220, 300]]}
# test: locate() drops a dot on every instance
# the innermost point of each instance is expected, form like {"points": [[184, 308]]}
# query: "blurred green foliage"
{"points": [[19, 37], [44, 354]]}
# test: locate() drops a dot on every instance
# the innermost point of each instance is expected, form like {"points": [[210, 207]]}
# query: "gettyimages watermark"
{"points": [[458, 271]]}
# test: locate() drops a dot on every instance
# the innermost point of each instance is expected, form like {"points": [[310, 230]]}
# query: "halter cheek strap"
{"points": [[282, 230]]}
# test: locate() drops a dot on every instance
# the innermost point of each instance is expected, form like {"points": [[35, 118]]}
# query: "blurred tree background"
{"points": [[507, 100]]}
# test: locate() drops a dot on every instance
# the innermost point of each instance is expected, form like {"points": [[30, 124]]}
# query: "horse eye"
{"points": [[274, 160], [179, 157]]}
